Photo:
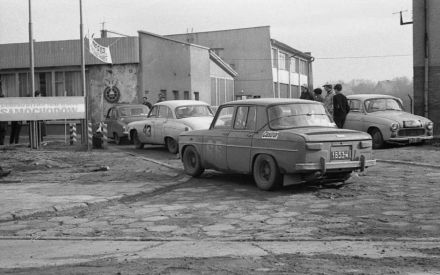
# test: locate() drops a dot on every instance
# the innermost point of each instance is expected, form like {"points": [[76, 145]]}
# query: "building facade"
{"points": [[58, 72], [265, 67], [180, 70], [426, 47]]}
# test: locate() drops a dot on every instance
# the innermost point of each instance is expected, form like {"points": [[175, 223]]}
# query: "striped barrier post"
{"points": [[89, 133], [72, 133], [104, 135]]}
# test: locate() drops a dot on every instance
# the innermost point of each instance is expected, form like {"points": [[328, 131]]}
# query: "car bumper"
{"points": [[415, 139], [324, 166]]}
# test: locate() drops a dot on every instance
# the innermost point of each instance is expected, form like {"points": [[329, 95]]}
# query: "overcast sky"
{"points": [[335, 31]]}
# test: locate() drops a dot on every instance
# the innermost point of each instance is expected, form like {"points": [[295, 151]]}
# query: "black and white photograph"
{"points": [[220, 137]]}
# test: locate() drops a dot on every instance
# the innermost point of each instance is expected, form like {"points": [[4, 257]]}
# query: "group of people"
{"points": [[334, 101]]}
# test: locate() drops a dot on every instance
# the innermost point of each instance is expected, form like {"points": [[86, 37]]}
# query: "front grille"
{"points": [[411, 132]]}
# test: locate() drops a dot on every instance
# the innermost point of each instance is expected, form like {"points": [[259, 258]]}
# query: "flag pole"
{"points": [[33, 132], [84, 136]]}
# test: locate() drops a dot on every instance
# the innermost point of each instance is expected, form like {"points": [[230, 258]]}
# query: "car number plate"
{"points": [[340, 153], [414, 140]]}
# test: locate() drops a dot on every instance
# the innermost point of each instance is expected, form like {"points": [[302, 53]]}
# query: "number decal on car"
{"points": [[270, 135]]}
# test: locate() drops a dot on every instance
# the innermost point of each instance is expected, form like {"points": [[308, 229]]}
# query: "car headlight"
{"points": [[430, 125], [394, 126]]}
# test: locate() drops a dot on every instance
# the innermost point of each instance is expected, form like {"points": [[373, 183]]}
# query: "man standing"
{"points": [[328, 100], [146, 102], [340, 106], [318, 95], [305, 93], [3, 127]]}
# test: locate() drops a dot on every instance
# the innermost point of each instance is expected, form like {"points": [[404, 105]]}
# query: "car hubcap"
{"points": [[265, 171]]}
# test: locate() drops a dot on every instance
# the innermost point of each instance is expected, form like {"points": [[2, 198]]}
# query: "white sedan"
{"points": [[167, 120]]}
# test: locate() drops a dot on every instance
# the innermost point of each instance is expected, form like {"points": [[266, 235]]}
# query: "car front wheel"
{"points": [[172, 145], [377, 137], [191, 162], [266, 173], [137, 143]]}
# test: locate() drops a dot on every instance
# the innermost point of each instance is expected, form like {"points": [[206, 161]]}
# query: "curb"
{"points": [[409, 163]]}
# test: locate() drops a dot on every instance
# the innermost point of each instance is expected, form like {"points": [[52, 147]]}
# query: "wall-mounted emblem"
{"points": [[111, 92]]}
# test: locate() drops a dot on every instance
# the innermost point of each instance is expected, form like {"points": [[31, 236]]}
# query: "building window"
{"points": [[176, 95], [163, 95], [282, 61], [186, 95], [303, 67], [68, 84], [294, 65], [9, 85], [196, 96], [274, 58]]}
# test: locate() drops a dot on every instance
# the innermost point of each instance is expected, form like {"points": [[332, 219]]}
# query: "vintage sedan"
{"points": [[278, 141], [167, 120], [383, 117], [118, 116]]}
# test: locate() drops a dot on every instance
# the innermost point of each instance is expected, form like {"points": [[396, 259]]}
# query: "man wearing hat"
{"points": [[328, 99]]}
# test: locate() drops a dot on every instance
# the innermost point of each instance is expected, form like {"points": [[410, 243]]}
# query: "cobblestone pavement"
{"points": [[389, 202]]}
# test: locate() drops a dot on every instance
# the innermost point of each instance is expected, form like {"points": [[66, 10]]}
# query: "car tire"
{"points": [[266, 174], [377, 138], [172, 145], [137, 143], [117, 139], [191, 162]]}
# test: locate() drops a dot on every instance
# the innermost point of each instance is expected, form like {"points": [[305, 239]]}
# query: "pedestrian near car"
{"points": [[3, 127], [318, 95], [340, 106], [15, 132], [328, 99], [306, 94], [146, 102]]}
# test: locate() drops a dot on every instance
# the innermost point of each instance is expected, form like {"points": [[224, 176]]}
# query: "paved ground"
{"points": [[393, 208]]}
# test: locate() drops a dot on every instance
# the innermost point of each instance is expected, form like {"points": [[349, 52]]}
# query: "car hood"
{"points": [[197, 123], [325, 134], [397, 116]]}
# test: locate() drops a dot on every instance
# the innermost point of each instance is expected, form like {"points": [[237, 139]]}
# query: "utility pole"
{"points": [[34, 137], [84, 135]]}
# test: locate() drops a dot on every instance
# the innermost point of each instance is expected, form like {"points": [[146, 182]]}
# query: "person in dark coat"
{"points": [[3, 127], [15, 132], [318, 95], [306, 94], [146, 102], [340, 106]]}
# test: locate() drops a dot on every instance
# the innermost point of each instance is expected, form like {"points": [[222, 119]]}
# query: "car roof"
{"points": [[368, 96], [177, 103], [270, 101], [119, 105]]}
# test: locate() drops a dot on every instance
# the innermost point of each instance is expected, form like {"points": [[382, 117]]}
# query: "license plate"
{"points": [[340, 153], [414, 140]]}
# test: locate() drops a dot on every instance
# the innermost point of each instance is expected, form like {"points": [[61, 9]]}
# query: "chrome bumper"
{"points": [[323, 166], [410, 139]]}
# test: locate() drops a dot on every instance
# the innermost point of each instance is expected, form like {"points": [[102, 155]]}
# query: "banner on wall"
{"points": [[42, 108], [100, 52]]}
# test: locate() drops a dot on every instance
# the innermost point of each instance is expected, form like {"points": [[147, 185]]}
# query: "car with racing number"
{"points": [[383, 117], [278, 141], [167, 119]]}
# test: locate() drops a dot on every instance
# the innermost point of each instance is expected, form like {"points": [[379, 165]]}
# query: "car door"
{"points": [[145, 128], [215, 140], [356, 116], [110, 121], [158, 125], [240, 139]]}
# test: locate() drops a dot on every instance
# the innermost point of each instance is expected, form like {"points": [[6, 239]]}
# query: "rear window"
{"points": [[134, 111]]}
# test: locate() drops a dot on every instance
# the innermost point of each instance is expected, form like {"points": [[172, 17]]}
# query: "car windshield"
{"points": [[382, 104], [193, 111], [133, 111], [298, 115]]}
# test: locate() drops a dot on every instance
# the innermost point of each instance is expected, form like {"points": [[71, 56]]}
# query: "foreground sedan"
{"points": [[383, 117], [278, 141], [167, 120]]}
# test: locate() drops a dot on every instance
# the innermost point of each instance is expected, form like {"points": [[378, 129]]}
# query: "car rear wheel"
{"points": [[377, 137], [191, 162], [117, 139], [172, 145], [137, 143], [266, 173]]}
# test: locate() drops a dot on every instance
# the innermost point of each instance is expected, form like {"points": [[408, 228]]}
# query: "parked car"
{"points": [[119, 116], [383, 117], [167, 120], [278, 141]]}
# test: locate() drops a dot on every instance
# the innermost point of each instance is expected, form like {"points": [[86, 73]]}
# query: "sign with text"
{"points": [[42, 108], [100, 52]]}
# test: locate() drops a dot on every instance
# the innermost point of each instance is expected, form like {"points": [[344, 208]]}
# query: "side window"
{"points": [[241, 117], [224, 118], [153, 112], [109, 113], [163, 112], [251, 119], [355, 105]]}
